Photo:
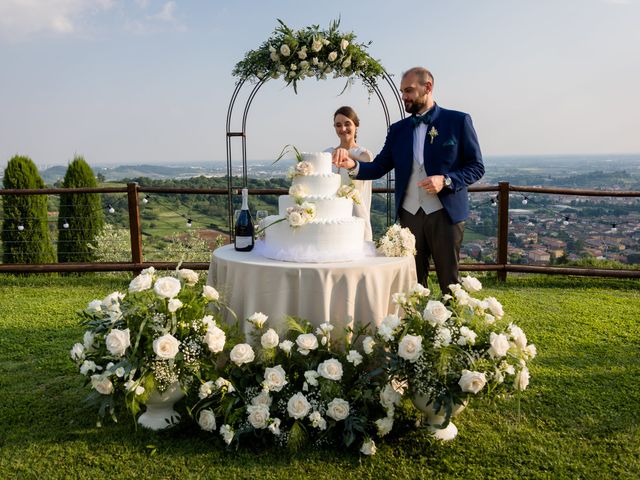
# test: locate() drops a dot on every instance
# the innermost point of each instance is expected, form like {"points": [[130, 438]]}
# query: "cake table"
{"points": [[338, 293]]}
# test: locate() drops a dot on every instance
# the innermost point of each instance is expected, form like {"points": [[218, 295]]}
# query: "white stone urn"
{"points": [[435, 419], [160, 413]]}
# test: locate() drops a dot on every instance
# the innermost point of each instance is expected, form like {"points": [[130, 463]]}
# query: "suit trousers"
{"points": [[438, 238]]}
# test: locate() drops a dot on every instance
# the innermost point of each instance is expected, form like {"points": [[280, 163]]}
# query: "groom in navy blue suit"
{"points": [[436, 155]]}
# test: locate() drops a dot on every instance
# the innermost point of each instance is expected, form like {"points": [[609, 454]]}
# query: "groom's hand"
{"points": [[432, 184], [341, 158]]}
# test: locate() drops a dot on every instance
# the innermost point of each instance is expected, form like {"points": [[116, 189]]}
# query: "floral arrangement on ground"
{"points": [[168, 341], [309, 52]]}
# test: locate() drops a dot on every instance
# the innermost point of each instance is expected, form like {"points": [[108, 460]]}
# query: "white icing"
{"points": [[326, 207], [325, 185], [320, 161]]}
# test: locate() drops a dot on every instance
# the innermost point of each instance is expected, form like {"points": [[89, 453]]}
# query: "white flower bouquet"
{"points": [[350, 191], [449, 349], [297, 390], [162, 331], [397, 242]]}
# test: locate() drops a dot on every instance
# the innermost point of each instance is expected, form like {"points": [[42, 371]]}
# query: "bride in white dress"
{"points": [[346, 123]]}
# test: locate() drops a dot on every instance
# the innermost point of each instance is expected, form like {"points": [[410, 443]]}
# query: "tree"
{"points": [[81, 218], [25, 236]]}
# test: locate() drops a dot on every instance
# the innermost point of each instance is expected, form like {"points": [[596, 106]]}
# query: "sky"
{"points": [[149, 81]]}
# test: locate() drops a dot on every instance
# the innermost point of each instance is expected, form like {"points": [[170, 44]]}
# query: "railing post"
{"points": [[134, 224], [503, 229]]}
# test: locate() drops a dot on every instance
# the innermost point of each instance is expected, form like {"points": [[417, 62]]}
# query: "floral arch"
{"points": [[294, 55]]}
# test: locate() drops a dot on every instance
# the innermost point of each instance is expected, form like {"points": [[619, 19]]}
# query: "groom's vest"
{"points": [[416, 197]]}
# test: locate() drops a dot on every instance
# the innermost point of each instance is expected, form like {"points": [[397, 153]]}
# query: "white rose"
{"points": [[242, 353], [298, 407], [338, 409], [389, 396], [139, 390], [263, 398], [306, 342], [94, 306], [77, 352], [118, 341], [209, 321], [472, 382], [112, 301], [274, 426], [258, 415], [167, 287], [88, 366], [384, 425], [330, 369], [518, 336], [436, 313], [141, 283], [499, 345], [521, 381], [275, 378], [332, 56], [166, 346], [531, 351], [274, 56], [367, 345], [215, 339], [285, 50], [102, 384], [354, 357], [311, 376], [222, 383], [489, 319], [207, 420], [347, 62], [258, 319], [467, 336], [286, 346], [269, 339], [471, 284], [344, 43], [316, 46], [148, 271], [302, 54], [368, 448], [410, 347], [206, 389], [227, 433], [188, 276], [297, 190], [210, 293], [296, 219], [317, 421], [174, 305], [495, 306]]}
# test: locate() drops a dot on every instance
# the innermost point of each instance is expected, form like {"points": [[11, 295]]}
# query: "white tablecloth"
{"points": [[340, 293]]}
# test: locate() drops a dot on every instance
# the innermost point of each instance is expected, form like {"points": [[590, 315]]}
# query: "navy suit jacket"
{"points": [[454, 151]]}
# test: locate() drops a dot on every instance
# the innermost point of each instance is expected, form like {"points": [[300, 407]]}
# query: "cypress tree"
{"points": [[25, 235], [81, 218]]}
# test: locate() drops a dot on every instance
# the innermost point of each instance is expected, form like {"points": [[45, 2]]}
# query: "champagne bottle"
{"points": [[244, 226]]}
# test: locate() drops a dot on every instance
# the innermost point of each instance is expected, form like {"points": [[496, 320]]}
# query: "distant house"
{"points": [[538, 256]]}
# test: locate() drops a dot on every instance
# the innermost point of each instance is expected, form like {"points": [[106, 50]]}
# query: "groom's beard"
{"points": [[414, 106]]}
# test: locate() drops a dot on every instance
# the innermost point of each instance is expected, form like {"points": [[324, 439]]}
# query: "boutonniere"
{"points": [[433, 133]]}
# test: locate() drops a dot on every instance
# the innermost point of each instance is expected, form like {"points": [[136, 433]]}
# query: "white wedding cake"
{"points": [[315, 221]]}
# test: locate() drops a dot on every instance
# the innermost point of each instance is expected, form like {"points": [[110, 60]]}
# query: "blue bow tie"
{"points": [[417, 120]]}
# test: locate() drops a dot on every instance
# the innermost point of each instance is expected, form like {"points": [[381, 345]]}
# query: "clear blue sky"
{"points": [[149, 81]]}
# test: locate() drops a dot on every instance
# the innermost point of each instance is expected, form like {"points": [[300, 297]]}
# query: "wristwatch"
{"points": [[447, 181]]}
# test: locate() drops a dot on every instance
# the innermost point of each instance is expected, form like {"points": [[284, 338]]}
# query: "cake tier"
{"points": [[328, 208], [320, 161], [316, 241], [321, 185]]}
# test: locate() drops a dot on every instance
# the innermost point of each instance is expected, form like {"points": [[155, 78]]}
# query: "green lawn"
{"points": [[578, 419]]}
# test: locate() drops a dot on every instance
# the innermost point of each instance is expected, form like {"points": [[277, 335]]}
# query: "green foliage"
{"points": [[32, 244], [113, 244], [81, 212]]}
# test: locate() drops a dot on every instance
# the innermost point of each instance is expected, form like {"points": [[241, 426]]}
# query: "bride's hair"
{"points": [[351, 114]]}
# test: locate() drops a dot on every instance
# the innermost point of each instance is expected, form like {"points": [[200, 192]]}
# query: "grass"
{"points": [[578, 419]]}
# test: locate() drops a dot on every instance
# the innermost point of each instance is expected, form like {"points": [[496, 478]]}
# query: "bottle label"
{"points": [[243, 242]]}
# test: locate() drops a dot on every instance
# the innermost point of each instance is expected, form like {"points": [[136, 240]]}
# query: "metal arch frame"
{"points": [[370, 82]]}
